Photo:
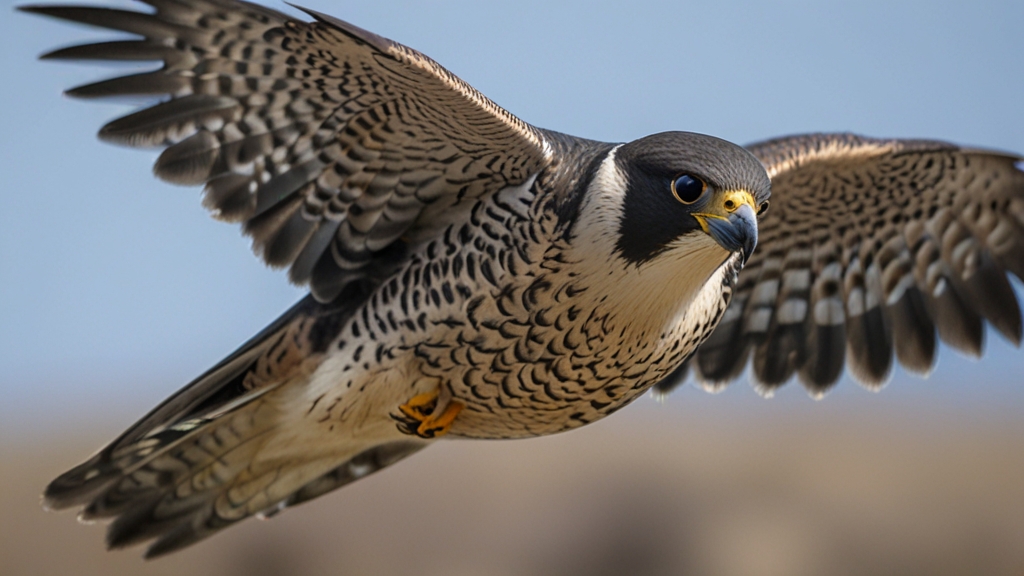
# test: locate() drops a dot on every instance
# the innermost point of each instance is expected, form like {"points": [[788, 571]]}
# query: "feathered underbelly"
{"points": [[518, 336], [562, 367]]}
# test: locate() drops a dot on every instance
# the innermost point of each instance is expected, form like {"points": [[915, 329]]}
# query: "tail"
{"points": [[194, 466]]}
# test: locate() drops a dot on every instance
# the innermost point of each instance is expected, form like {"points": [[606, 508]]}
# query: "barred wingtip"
{"points": [[33, 8], [712, 386], [79, 485], [57, 54], [874, 386], [45, 504], [59, 495], [818, 385], [165, 546], [816, 394], [84, 518], [71, 12], [114, 51]]}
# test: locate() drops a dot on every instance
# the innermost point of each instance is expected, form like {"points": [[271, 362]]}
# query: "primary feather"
{"points": [[870, 250]]}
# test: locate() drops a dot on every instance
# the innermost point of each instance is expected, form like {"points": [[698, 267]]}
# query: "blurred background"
{"points": [[116, 290]]}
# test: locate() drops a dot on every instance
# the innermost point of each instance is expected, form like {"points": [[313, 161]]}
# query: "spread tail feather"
{"points": [[221, 449], [200, 477]]}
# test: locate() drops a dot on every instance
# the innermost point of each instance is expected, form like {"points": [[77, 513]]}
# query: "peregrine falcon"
{"points": [[474, 276]]}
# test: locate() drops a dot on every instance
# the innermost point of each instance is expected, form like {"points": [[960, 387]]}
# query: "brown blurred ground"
{"points": [[644, 492]]}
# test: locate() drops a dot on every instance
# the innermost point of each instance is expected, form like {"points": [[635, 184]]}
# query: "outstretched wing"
{"points": [[871, 248], [329, 143]]}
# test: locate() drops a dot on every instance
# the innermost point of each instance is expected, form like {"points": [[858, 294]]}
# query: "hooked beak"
{"points": [[735, 228]]}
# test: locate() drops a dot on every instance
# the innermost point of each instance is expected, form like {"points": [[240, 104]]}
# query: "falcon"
{"points": [[474, 276]]}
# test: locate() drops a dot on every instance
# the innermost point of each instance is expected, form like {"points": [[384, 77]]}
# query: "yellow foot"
{"points": [[429, 415], [420, 406]]}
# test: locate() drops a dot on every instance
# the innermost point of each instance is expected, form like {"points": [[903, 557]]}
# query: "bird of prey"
{"points": [[474, 276]]}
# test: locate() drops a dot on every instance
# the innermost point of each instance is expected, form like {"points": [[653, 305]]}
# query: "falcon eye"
{"points": [[688, 189], [762, 208]]}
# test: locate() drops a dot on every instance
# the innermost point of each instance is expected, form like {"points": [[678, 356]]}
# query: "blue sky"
{"points": [[116, 289]]}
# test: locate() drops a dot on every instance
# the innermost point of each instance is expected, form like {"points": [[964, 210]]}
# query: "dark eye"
{"points": [[688, 189]]}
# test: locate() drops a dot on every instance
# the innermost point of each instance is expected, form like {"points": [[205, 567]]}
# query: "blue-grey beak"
{"points": [[736, 232]]}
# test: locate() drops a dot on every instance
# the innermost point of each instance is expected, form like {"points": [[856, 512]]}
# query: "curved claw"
{"points": [[429, 415]]}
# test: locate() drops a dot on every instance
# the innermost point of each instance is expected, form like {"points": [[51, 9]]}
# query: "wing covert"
{"points": [[329, 143], [870, 250]]}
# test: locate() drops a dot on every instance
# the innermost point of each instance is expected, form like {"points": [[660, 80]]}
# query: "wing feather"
{"points": [[326, 141], [873, 250], [253, 369]]}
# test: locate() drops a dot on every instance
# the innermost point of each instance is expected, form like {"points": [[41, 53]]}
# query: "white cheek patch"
{"points": [[607, 191], [656, 295], [609, 180], [601, 210]]}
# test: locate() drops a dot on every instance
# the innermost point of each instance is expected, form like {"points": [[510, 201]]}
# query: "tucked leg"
{"points": [[430, 415]]}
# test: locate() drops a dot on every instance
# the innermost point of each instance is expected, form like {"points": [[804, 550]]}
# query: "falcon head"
{"points": [[678, 187], [659, 217]]}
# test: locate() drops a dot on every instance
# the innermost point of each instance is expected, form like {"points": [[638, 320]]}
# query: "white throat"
{"points": [[652, 298]]}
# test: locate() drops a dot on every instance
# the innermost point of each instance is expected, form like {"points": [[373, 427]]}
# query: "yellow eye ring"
{"points": [[688, 188]]}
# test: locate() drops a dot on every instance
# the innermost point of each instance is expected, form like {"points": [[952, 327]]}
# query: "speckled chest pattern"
{"points": [[496, 310]]}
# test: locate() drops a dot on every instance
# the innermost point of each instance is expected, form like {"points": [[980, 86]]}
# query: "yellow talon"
{"points": [[435, 412], [432, 426], [420, 406]]}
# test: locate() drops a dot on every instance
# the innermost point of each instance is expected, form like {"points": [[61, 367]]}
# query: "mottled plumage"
{"points": [[473, 275], [871, 247]]}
